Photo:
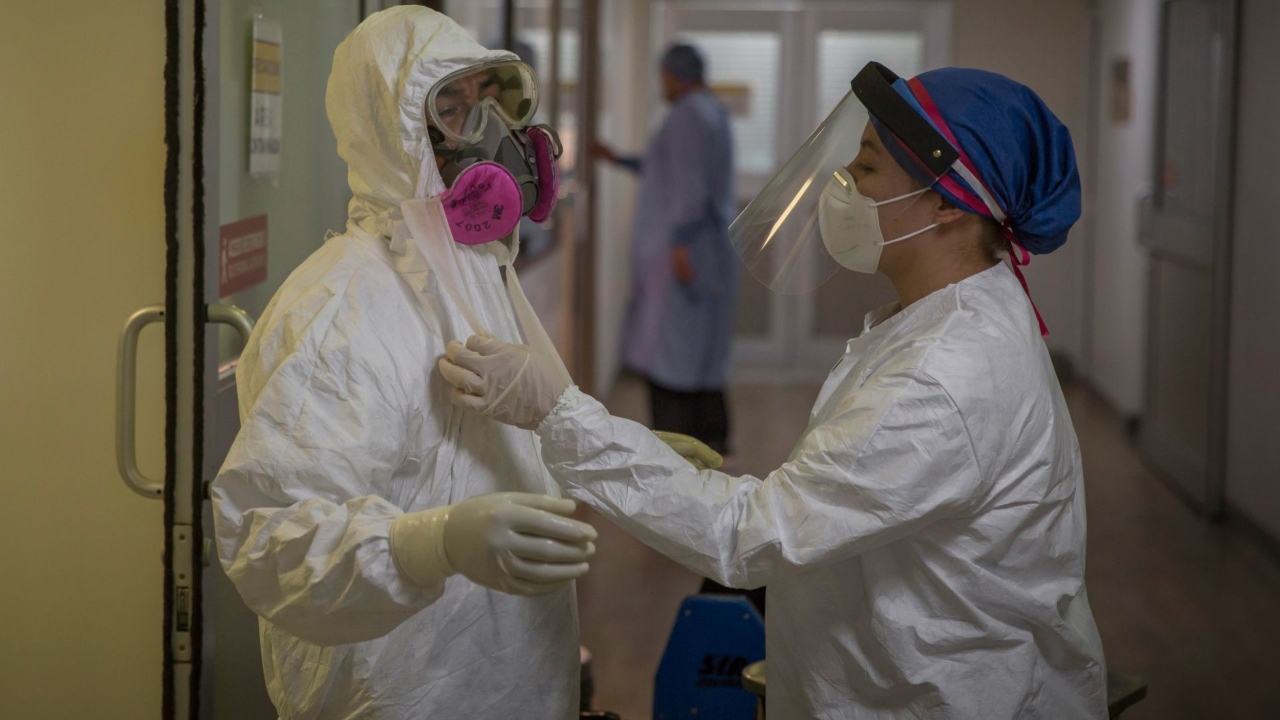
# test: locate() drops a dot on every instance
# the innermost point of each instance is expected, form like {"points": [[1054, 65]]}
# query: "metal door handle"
{"points": [[126, 387], [126, 417], [230, 315]]}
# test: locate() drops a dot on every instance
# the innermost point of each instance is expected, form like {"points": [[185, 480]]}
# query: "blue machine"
{"points": [[700, 676]]}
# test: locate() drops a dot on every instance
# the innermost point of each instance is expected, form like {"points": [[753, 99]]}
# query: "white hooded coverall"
{"points": [[924, 544], [345, 425]]}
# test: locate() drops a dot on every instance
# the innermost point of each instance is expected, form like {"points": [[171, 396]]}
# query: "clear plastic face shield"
{"points": [[779, 236]]}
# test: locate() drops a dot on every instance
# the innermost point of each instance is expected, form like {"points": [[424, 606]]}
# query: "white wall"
{"points": [[629, 72], [1253, 455], [1043, 45], [1116, 365]]}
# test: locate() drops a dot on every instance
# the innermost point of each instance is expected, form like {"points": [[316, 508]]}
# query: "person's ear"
{"points": [[945, 212]]}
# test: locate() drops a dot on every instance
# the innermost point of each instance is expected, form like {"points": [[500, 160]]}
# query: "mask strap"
{"points": [[921, 231], [914, 193], [534, 333]]}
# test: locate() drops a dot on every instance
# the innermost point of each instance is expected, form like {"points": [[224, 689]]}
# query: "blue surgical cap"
{"points": [[685, 62], [1017, 147]]}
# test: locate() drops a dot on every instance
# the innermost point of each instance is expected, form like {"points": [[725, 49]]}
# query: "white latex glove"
{"points": [[510, 383], [692, 449], [519, 543]]}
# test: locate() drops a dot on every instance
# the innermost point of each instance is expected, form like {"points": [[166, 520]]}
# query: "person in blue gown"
{"points": [[684, 273]]}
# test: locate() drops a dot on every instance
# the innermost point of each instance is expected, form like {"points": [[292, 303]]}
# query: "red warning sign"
{"points": [[242, 255]]}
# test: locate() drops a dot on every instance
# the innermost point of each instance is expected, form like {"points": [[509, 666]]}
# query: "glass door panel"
{"points": [[743, 71], [843, 52], [307, 198], [300, 204]]}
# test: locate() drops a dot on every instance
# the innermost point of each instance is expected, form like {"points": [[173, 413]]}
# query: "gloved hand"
{"points": [[691, 449], [519, 543], [510, 383]]}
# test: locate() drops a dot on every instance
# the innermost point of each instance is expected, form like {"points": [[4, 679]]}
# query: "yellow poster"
{"points": [[266, 118]]}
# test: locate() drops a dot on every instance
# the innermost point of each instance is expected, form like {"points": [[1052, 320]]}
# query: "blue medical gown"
{"points": [[679, 335]]}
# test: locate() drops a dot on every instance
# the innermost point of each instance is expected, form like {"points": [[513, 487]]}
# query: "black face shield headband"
{"points": [[873, 86]]}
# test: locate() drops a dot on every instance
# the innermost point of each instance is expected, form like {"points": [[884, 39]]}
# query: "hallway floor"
{"points": [[1191, 606]]}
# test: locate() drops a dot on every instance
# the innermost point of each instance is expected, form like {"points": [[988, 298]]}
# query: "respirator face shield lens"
{"points": [[462, 104]]}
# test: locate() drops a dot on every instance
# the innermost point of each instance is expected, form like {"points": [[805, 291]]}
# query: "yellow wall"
{"points": [[81, 247]]}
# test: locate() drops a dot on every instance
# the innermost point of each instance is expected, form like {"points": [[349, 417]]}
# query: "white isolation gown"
{"points": [[924, 544]]}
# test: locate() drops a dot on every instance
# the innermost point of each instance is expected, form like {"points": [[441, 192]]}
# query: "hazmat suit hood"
{"points": [[376, 102]]}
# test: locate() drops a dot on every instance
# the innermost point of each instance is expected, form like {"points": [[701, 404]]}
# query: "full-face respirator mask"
{"points": [[497, 169]]}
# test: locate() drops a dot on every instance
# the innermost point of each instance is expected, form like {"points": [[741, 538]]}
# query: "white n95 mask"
{"points": [[850, 224]]}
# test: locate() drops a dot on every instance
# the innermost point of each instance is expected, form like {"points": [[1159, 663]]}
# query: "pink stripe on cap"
{"points": [[1018, 256]]}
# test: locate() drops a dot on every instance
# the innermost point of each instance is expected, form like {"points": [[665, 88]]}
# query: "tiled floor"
{"points": [[1191, 606]]}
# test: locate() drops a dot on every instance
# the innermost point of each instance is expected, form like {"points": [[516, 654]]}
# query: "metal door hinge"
{"points": [[183, 578]]}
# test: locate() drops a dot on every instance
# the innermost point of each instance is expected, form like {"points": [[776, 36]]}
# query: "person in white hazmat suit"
{"points": [[406, 560], [923, 546]]}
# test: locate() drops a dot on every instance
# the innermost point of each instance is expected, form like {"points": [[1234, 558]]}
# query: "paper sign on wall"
{"points": [[266, 118], [242, 255]]}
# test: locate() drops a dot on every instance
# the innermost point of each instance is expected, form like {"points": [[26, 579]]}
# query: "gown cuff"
{"points": [[571, 398]]}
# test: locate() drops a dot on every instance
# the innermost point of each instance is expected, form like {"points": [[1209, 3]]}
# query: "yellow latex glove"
{"points": [[691, 449]]}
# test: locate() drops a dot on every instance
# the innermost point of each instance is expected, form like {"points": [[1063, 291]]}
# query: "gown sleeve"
{"points": [[634, 163], [895, 458], [300, 505]]}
